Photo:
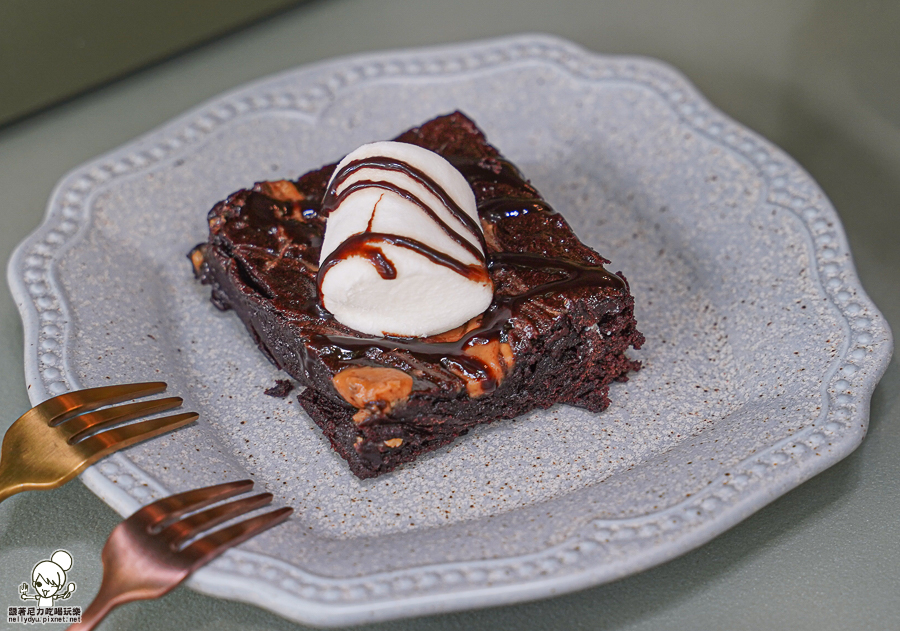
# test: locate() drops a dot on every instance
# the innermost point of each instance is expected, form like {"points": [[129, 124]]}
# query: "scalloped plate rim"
{"points": [[257, 590]]}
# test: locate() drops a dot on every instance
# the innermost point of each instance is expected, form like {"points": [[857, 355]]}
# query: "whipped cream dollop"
{"points": [[403, 252]]}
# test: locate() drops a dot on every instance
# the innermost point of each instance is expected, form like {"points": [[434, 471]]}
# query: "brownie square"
{"points": [[556, 332]]}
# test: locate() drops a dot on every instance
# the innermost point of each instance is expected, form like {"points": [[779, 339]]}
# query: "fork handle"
{"points": [[14, 481], [116, 589], [108, 598], [7, 491], [95, 612], [10, 484], [9, 487]]}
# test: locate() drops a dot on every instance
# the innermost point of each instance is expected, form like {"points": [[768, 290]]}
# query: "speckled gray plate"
{"points": [[762, 349]]}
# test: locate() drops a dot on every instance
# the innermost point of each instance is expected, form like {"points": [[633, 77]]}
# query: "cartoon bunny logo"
{"points": [[49, 580]]}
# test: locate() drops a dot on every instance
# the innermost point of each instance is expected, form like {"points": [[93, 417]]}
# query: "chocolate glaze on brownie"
{"points": [[556, 331]]}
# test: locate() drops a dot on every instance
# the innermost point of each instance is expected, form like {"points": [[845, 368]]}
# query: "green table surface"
{"points": [[820, 78], [51, 50]]}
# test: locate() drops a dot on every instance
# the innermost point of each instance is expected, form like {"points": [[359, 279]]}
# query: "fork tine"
{"points": [[212, 545], [78, 427], [104, 443], [181, 531], [70, 404], [163, 512]]}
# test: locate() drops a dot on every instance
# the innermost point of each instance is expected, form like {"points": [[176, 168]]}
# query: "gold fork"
{"points": [[146, 557], [58, 439]]}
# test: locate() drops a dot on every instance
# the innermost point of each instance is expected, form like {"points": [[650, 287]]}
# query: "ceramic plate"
{"points": [[762, 348]]}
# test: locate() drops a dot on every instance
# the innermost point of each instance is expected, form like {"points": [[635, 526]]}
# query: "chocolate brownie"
{"points": [[557, 330]]}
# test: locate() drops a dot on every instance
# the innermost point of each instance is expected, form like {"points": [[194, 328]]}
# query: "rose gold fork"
{"points": [[58, 439], [145, 556]]}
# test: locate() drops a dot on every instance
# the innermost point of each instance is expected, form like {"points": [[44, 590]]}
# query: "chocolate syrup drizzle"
{"points": [[451, 355], [366, 244]]}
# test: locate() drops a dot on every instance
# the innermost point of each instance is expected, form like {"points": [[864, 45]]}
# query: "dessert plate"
{"points": [[761, 357]]}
